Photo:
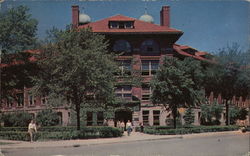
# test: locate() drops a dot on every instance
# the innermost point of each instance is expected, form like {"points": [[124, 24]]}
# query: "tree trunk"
{"points": [[78, 116], [174, 116], [227, 113]]}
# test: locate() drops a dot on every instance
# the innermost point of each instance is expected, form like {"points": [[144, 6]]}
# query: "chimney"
{"points": [[165, 16], [75, 16]]}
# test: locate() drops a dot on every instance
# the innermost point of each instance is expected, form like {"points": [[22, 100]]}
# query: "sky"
{"points": [[208, 25]]}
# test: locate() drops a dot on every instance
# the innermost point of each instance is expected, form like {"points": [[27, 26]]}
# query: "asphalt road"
{"points": [[226, 145]]}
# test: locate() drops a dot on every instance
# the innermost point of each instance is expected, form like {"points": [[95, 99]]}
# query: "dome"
{"points": [[147, 18], [84, 18]]}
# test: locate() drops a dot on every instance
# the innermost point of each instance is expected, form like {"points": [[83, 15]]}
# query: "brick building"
{"points": [[143, 44]]}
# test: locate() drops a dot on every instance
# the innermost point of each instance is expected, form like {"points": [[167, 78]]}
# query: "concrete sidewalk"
{"points": [[134, 137]]}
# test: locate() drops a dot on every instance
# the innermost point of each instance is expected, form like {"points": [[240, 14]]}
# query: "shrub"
{"points": [[17, 119], [211, 114], [194, 129], [47, 118], [189, 116], [61, 133]]}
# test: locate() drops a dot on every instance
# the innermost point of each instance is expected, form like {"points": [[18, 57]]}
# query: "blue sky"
{"points": [[207, 24]]}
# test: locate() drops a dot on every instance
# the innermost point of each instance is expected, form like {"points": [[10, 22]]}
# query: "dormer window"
{"points": [[121, 24]]}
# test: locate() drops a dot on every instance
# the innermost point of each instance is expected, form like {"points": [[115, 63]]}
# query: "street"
{"points": [[226, 145]]}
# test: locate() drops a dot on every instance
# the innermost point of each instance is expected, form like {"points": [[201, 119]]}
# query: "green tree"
{"points": [[230, 75], [174, 85], [47, 117], [189, 116], [18, 30], [243, 114], [18, 33], [211, 114], [77, 67], [234, 113]]}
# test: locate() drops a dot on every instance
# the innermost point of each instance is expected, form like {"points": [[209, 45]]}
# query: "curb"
{"points": [[93, 144]]}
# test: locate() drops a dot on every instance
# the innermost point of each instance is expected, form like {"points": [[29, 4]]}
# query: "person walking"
{"points": [[118, 124], [122, 125], [129, 127], [141, 126], [32, 130]]}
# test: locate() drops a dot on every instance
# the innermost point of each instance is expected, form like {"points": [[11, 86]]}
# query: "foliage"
{"points": [[230, 75], [18, 30], [211, 114], [243, 114], [63, 133], [47, 117], [189, 116], [175, 84], [17, 119], [237, 113], [18, 33], [195, 129], [77, 67]]}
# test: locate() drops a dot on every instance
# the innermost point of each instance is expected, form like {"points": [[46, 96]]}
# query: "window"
{"points": [[149, 46], [145, 117], [100, 118], [124, 92], [156, 116], [121, 24], [19, 99], [44, 99], [125, 67], [146, 92], [122, 46], [32, 100], [9, 103], [89, 118], [149, 67]]}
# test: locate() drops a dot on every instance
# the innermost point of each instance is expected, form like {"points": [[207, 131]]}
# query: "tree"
{"points": [[18, 30], [211, 114], [175, 85], [237, 113], [18, 33], [230, 75], [78, 68], [47, 117], [189, 116]]}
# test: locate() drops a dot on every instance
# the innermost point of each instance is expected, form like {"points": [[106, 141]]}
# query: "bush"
{"points": [[211, 114], [189, 116], [60, 133], [47, 118], [17, 119], [194, 129]]}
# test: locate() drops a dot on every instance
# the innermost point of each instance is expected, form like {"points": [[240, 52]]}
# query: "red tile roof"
{"points": [[179, 50], [102, 26]]}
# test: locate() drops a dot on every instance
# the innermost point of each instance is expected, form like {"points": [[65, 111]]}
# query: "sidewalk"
{"points": [[134, 137]]}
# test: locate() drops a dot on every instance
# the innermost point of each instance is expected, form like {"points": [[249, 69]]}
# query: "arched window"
{"points": [[122, 46], [149, 46]]}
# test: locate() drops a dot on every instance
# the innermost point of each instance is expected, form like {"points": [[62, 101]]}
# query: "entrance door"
{"points": [[123, 115]]}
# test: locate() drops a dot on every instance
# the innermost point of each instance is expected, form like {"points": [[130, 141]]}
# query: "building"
{"points": [[144, 44]]}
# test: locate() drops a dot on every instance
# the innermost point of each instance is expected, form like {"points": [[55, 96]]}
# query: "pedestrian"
{"points": [[122, 125], [118, 124], [141, 126], [129, 127], [105, 122], [32, 130]]}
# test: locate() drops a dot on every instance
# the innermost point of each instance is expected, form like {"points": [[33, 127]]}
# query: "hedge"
{"points": [[84, 133], [43, 129], [198, 129]]}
